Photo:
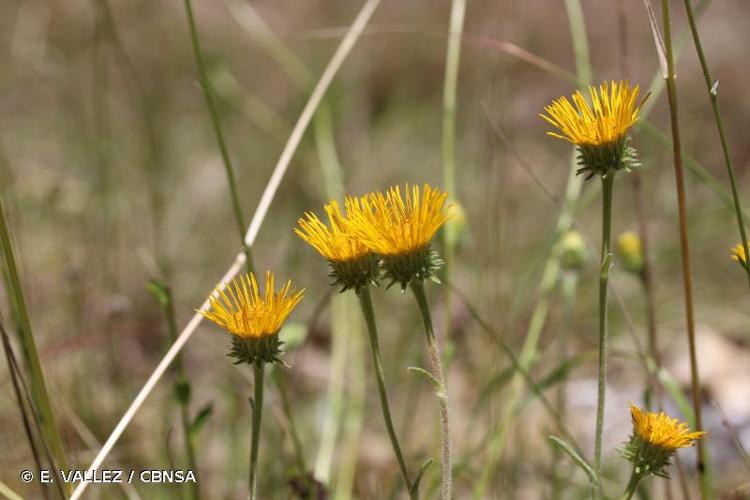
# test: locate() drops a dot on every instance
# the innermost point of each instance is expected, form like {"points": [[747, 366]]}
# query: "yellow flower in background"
{"points": [[662, 431], [738, 255], [333, 241], [242, 310], [630, 251], [390, 224], [613, 110]]}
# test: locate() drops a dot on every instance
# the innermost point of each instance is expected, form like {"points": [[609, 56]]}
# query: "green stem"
{"points": [[436, 366], [685, 250], [184, 401], [255, 436], [632, 487], [365, 302], [39, 393], [712, 88], [452, 60], [208, 92], [608, 181]]}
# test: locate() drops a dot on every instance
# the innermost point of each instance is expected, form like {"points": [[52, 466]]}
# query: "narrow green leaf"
{"points": [[564, 446], [422, 371], [420, 474], [200, 419], [159, 291]]}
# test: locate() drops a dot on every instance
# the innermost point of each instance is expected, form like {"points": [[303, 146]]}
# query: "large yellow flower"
{"points": [[244, 312], [661, 431], [390, 224], [336, 243], [606, 121]]}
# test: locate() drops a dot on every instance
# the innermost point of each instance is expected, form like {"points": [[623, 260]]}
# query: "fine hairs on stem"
{"points": [[257, 406], [608, 181], [436, 365]]}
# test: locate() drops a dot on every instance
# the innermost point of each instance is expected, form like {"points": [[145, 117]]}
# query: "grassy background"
{"points": [[111, 175]]}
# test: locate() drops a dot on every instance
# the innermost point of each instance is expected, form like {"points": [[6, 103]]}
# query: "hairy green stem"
{"points": [[365, 302], [208, 92], [712, 88], [255, 436], [436, 366], [632, 487], [685, 250], [39, 394], [608, 181]]}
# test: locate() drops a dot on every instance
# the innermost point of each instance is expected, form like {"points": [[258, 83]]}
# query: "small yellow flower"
{"points": [[659, 430], [246, 313], [335, 243], [655, 438], [738, 255], [606, 121], [392, 225], [630, 251]]}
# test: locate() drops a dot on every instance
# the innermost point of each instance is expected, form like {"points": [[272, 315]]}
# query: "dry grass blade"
{"points": [[335, 63]]}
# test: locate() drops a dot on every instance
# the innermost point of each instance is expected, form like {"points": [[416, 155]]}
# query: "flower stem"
{"points": [[608, 181], [687, 277], [365, 302], [255, 436], [436, 365], [632, 487]]}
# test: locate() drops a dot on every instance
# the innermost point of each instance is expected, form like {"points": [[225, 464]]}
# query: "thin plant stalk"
{"points": [[712, 88], [687, 277], [441, 391], [365, 302], [208, 92], [255, 436], [632, 486], [452, 60], [9, 358], [182, 385], [608, 181], [39, 394]]}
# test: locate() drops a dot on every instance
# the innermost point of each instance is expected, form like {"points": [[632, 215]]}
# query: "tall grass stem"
{"points": [[687, 277], [39, 394], [208, 92], [712, 89]]}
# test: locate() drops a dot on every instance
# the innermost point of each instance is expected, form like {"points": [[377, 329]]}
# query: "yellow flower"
{"points": [[738, 255], [630, 251], [392, 225], [400, 229], [606, 121], [659, 430], [246, 313], [335, 243]]}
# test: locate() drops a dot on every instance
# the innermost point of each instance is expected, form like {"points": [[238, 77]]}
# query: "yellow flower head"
{"points": [[630, 251], [661, 431], [335, 243], [390, 224], [738, 255], [244, 312], [606, 121]]}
